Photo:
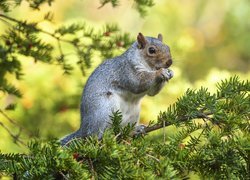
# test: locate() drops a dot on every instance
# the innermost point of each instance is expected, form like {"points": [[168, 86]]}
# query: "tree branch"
{"points": [[8, 118], [20, 128], [167, 123], [35, 28], [15, 137]]}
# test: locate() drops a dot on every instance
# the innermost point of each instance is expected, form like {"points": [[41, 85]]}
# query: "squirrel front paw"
{"points": [[166, 74]]}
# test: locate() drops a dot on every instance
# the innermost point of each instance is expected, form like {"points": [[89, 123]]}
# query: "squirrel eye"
{"points": [[151, 50]]}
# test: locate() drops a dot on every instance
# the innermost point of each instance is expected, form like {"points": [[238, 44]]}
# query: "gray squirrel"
{"points": [[120, 83]]}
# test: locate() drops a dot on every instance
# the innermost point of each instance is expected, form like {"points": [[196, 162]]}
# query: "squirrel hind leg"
{"points": [[96, 118]]}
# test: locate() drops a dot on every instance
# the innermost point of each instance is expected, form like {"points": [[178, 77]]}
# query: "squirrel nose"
{"points": [[169, 62]]}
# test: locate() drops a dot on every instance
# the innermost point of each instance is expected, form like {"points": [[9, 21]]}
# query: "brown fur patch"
{"points": [[141, 41], [160, 37], [161, 59]]}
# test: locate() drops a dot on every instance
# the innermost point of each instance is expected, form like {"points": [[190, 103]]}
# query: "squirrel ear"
{"points": [[160, 37], [141, 41]]}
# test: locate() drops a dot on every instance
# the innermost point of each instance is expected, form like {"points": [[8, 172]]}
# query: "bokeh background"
{"points": [[209, 41]]}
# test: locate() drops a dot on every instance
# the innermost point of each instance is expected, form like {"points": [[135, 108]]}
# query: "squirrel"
{"points": [[120, 83]]}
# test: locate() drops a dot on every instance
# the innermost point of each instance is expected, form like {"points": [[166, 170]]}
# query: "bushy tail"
{"points": [[65, 140]]}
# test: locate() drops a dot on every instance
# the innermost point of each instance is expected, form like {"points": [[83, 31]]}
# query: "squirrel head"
{"points": [[155, 53]]}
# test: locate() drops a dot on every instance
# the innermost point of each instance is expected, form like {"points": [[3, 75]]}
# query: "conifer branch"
{"points": [[209, 152], [168, 123], [140, 5], [16, 137], [23, 23], [8, 118], [23, 38], [12, 121]]}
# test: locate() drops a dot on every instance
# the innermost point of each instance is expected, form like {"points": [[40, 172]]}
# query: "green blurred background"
{"points": [[209, 41]]}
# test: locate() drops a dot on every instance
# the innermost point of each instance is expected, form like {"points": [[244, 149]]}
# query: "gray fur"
{"points": [[117, 84]]}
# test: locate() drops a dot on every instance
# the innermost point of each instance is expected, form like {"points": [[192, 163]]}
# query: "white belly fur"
{"points": [[129, 106]]}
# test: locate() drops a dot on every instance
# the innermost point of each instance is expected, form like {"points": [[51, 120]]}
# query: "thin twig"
{"points": [[102, 5], [60, 47], [164, 132], [203, 130], [92, 168], [153, 157], [5, 21], [15, 137], [15, 123], [63, 175], [35, 28], [8, 118]]}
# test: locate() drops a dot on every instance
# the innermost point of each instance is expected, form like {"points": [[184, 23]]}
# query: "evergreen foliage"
{"points": [[22, 39], [212, 141], [140, 5]]}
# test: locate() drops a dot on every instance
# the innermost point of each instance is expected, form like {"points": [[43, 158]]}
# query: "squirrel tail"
{"points": [[65, 140]]}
